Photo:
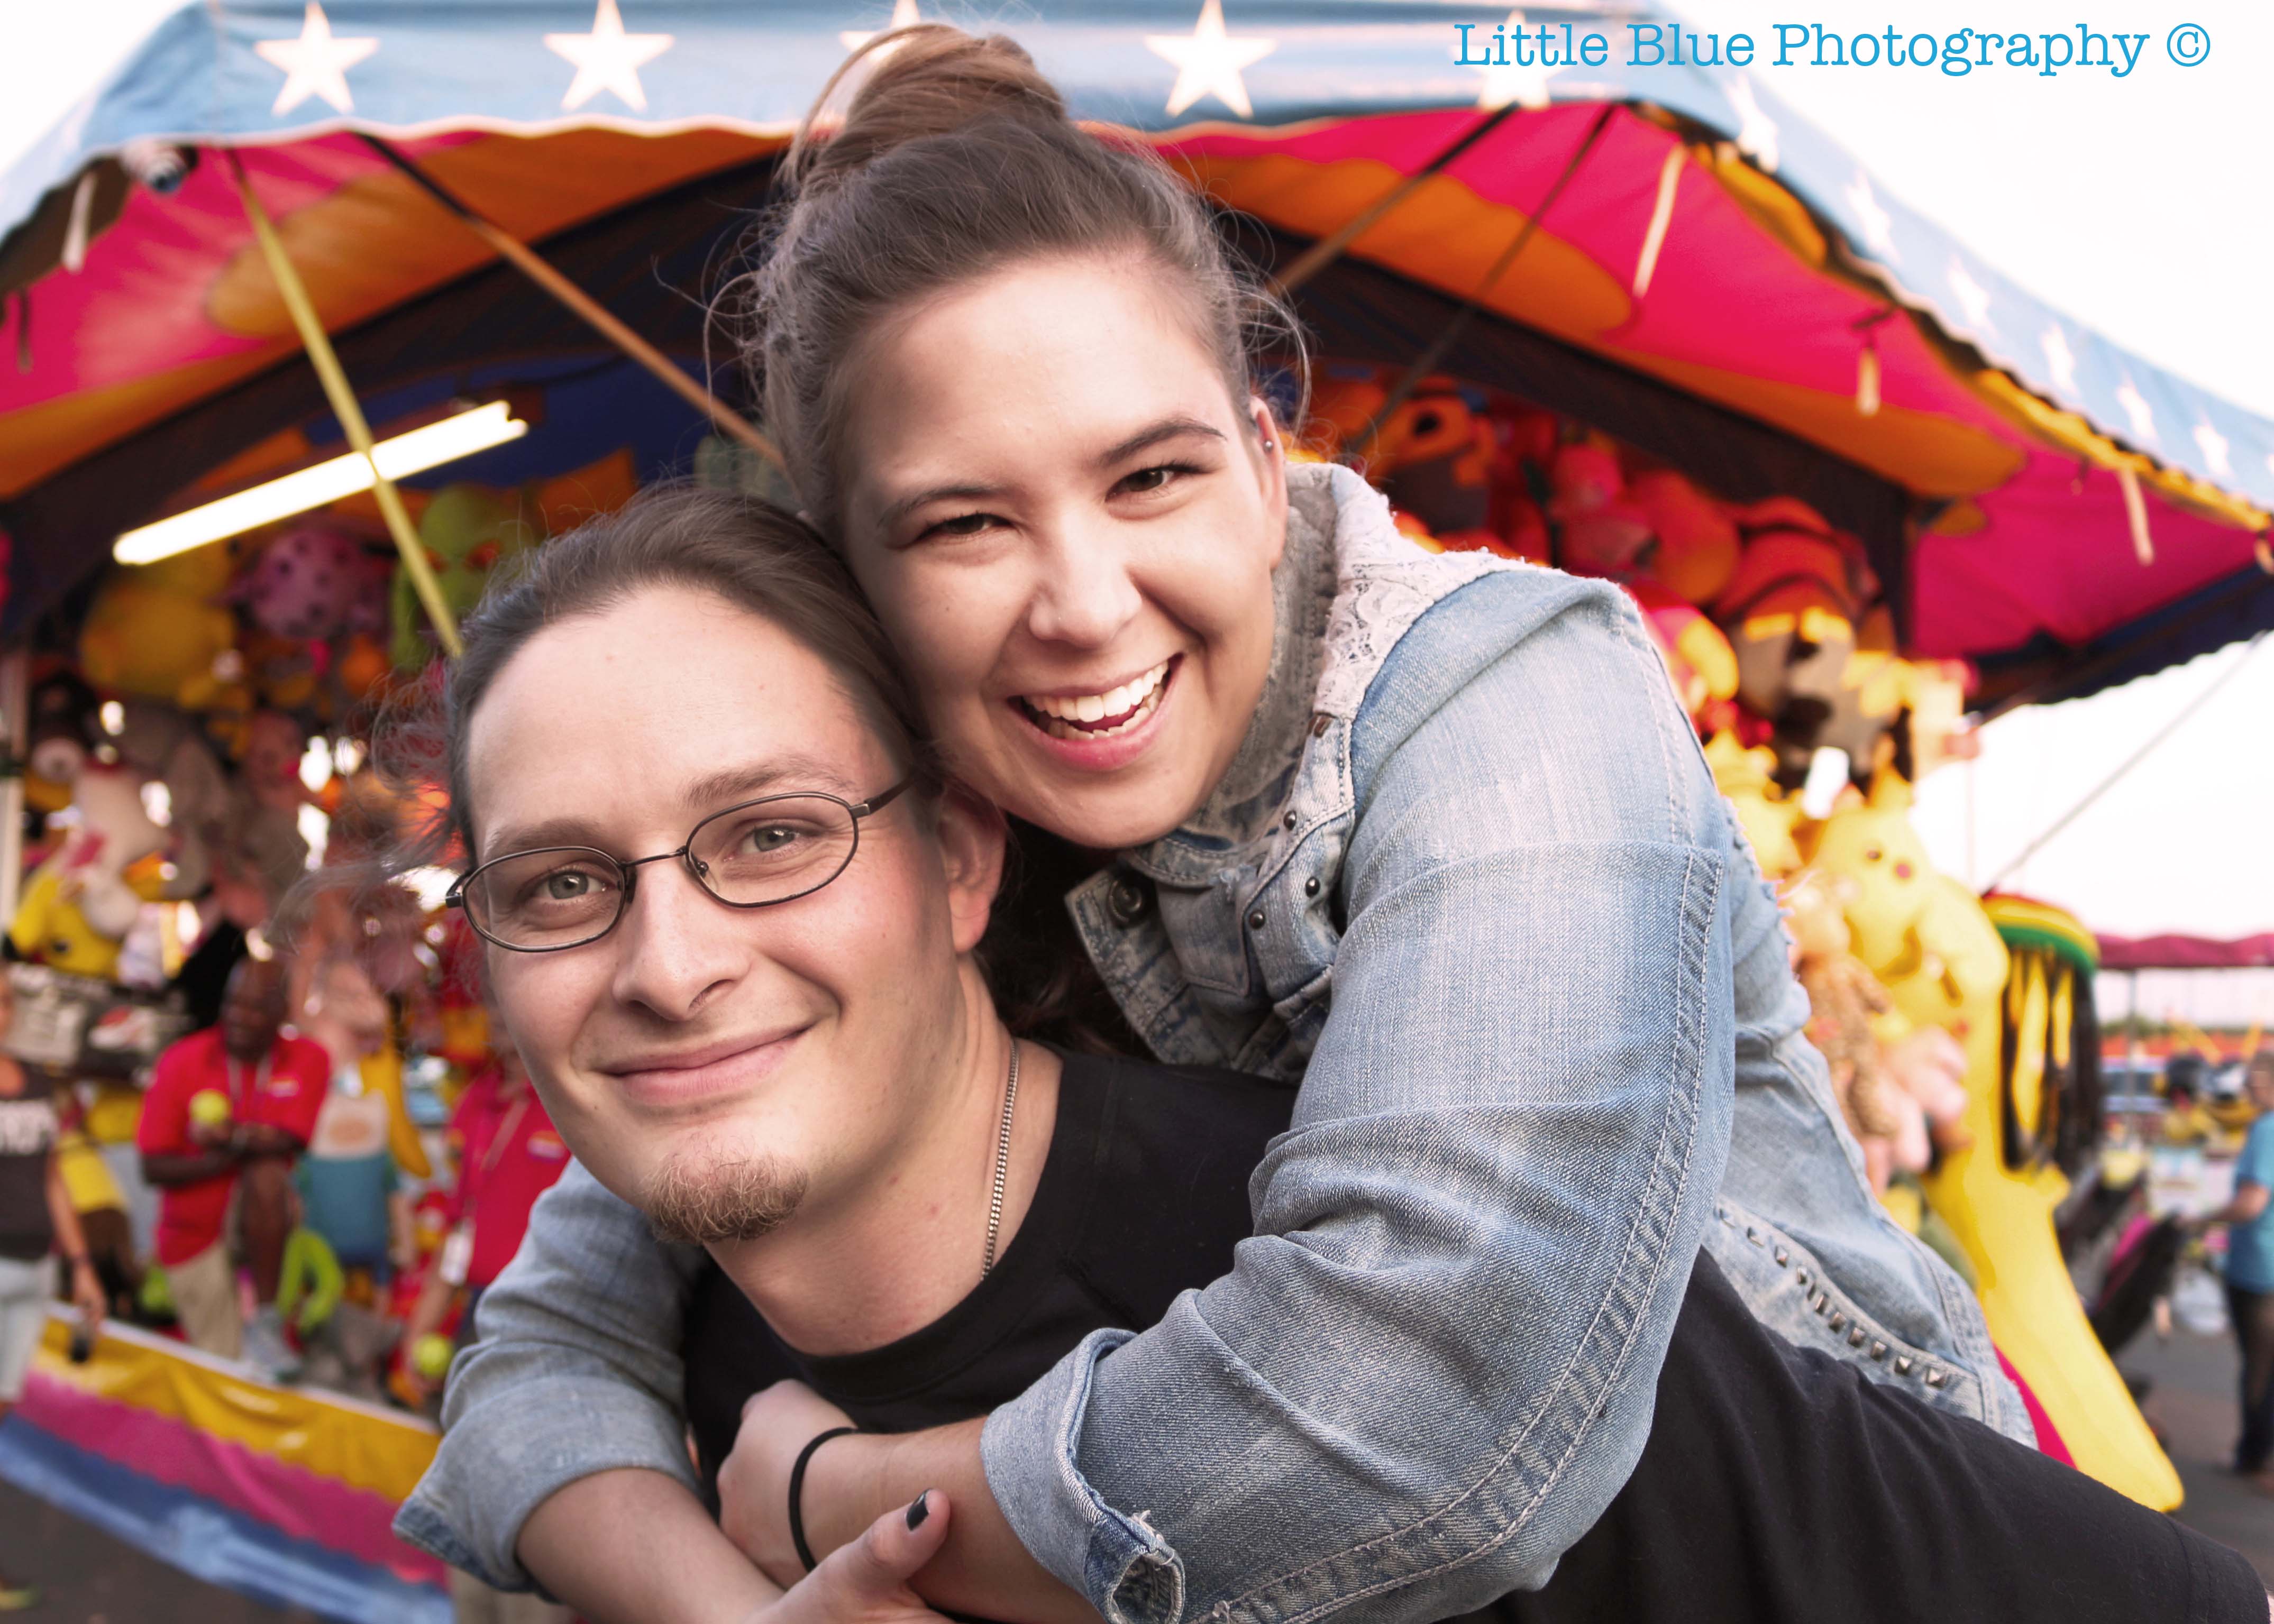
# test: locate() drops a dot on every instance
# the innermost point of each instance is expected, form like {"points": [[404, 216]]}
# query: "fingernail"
{"points": [[919, 1508]]}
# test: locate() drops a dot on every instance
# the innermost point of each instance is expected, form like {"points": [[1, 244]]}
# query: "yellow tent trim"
{"points": [[357, 1445]]}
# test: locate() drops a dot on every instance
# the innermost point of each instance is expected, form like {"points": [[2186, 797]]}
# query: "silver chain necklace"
{"points": [[1002, 1163]]}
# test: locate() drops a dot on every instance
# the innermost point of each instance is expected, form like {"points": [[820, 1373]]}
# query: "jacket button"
{"points": [[1255, 919], [1288, 822], [1311, 886], [1125, 901]]}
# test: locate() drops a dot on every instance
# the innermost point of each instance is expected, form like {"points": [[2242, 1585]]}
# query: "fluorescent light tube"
{"points": [[422, 448]]}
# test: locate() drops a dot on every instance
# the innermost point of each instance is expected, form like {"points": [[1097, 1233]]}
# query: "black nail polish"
{"points": [[919, 1508]]}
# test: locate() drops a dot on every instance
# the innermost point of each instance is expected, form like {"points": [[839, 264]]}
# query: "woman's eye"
{"points": [[962, 524], [1146, 480]]}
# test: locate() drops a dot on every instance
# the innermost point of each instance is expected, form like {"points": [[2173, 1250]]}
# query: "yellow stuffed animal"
{"points": [[155, 631]]}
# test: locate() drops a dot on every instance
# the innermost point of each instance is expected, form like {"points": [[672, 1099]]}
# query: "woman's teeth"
{"points": [[1098, 716]]}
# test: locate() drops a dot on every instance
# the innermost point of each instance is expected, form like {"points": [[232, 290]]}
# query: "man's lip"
{"points": [[695, 1059]]}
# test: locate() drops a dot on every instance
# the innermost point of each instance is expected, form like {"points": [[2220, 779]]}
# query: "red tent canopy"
{"points": [[2186, 953]]}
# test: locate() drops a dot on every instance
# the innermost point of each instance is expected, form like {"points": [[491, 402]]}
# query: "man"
{"points": [[228, 1110], [2249, 1220], [735, 939]]}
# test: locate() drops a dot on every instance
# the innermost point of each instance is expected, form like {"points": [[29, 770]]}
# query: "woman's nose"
{"points": [[1085, 592], [676, 943]]}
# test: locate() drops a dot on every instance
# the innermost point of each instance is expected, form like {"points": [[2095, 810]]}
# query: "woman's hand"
{"points": [[866, 1581], [754, 1482]]}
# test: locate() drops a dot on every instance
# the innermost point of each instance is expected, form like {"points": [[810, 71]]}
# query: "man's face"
{"points": [[252, 1009], [713, 1066]]}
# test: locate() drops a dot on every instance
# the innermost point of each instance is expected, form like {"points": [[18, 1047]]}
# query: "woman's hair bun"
{"points": [[925, 80]]}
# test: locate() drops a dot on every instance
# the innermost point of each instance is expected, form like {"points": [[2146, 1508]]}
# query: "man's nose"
{"points": [[676, 943]]}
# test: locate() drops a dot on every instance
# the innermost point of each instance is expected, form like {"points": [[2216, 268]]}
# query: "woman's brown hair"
{"points": [[955, 158]]}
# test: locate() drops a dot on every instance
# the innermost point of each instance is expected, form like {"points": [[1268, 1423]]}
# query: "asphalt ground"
{"points": [[2191, 1404], [87, 1577]]}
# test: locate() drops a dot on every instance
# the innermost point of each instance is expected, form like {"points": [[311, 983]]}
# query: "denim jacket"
{"points": [[1563, 1048]]}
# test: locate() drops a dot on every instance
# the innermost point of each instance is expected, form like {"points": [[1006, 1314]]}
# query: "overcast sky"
{"points": [[2140, 206]]}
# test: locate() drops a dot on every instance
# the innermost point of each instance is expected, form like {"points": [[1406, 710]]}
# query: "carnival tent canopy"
{"points": [[2055, 508], [2187, 952]]}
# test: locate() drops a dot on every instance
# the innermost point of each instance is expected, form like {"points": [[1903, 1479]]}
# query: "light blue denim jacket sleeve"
{"points": [[576, 1371], [1433, 1364]]}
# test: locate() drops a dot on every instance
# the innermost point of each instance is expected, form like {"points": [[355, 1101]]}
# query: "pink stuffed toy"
{"points": [[316, 580]]}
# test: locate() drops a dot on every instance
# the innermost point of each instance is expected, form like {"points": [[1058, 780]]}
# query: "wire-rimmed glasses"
{"points": [[754, 854]]}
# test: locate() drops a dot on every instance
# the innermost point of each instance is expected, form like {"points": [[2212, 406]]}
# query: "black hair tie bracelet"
{"points": [[797, 1484]]}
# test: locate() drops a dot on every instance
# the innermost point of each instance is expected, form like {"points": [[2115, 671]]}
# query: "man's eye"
{"points": [[567, 887]]}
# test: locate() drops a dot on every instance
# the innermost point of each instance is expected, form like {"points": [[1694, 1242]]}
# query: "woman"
{"points": [[1006, 362], [36, 1219]]}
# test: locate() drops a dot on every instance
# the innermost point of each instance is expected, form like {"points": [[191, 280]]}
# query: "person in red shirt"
{"points": [[509, 1155], [203, 1157]]}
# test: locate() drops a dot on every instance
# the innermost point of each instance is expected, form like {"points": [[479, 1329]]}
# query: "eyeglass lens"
{"points": [[770, 851]]}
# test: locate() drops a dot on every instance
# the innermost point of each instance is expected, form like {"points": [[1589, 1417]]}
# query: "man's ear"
{"points": [[972, 838]]}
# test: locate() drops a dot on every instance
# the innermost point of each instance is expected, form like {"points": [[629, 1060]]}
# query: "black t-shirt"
{"points": [[1776, 1484], [27, 1137]]}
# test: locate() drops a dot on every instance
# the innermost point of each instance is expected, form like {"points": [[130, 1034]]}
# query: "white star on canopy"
{"points": [[2136, 407], [1209, 63], [1878, 228], [2058, 360], [607, 58], [314, 64], [1504, 86], [1757, 131], [904, 16], [1972, 296], [2213, 445]]}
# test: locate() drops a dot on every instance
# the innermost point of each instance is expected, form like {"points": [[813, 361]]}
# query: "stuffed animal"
{"points": [[1790, 609], [1698, 657], [1434, 459], [1696, 550], [1747, 778], [1844, 1000], [468, 530], [83, 899], [317, 580], [155, 630]]}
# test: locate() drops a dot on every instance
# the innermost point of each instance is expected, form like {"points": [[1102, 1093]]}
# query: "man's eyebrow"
{"points": [[714, 792], [1177, 427]]}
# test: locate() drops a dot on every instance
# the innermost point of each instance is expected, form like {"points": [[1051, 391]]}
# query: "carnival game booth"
{"points": [[1637, 320]]}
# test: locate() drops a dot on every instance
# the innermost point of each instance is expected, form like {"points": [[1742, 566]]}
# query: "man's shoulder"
{"points": [[304, 1057], [186, 1061], [1194, 1114]]}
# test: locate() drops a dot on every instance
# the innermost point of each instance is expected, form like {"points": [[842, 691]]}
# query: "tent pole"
{"points": [[587, 309], [349, 413], [2130, 762], [1329, 248], [1426, 362]]}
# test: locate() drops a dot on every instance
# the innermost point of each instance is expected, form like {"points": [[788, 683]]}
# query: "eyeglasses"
{"points": [[754, 854]]}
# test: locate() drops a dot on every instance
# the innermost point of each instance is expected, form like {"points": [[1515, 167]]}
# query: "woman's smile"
{"points": [[1100, 730]]}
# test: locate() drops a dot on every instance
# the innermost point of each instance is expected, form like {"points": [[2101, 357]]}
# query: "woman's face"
{"points": [[1069, 527]]}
